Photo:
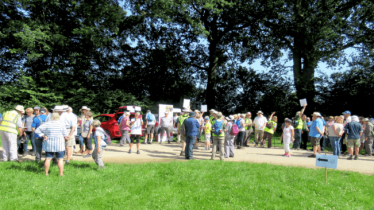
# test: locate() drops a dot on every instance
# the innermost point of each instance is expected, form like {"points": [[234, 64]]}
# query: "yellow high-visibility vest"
{"points": [[9, 123]]}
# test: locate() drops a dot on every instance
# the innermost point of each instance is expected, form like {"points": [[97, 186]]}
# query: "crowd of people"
{"points": [[55, 133]]}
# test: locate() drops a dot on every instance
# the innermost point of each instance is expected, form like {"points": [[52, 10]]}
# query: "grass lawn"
{"points": [[182, 185]]}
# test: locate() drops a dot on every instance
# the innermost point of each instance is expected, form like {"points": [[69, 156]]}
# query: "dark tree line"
{"points": [[106, 53]]}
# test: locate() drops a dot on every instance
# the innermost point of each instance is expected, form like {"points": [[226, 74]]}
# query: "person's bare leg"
{"points": [[315, 150], [319, 149], [151, 135], [350, 150], [357, 150], [138, 145], [146, 137], [183, 146], [69, 152], [131, 145], [60, 164], [47, 163]]}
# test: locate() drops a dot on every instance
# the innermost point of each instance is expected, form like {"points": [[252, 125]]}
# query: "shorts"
{"points": [[59, 155], [70, 142], [183, 138], [315, 141], [150, 129], [353, 143], [362, 139], [136, 138], [207, 137]]}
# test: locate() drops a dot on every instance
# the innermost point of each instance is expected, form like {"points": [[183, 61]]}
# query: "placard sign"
{"points": [[186, 103], [204, 108], [327, 161], [303, 102]]}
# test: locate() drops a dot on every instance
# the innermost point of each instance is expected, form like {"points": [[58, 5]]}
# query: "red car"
{"points": [[109, 121]]}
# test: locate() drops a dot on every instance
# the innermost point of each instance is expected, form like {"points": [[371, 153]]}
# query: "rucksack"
{"points": [[41, 121], [217, 127], [294, 123], [269, 125], [150, 117], [238, 123], [234, 130], [107, 139]]}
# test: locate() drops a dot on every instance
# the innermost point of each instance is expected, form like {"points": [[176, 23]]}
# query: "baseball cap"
{"points": [[347, 112], [43, 111], [317, 114], [206, 118], [37, 107]]}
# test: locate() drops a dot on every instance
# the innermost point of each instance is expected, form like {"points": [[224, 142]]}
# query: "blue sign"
{"points": [[328, 161]]}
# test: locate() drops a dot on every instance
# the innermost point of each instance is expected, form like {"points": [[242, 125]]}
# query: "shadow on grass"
{"points": [[31, 166]]}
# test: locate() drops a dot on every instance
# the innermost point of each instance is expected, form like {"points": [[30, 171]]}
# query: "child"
{"points": [[207, 129], [287, 136]]}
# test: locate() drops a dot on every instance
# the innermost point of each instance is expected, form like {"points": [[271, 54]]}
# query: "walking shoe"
{"points": [[312, 156], [24, 154], [196, 147], [182, 153], [231, 156], [297, 148], [168, 142], [138, 152], [122, 145], [129, 151], [150, 142], [238, 147], [246, 145], [350, 157], [144, 142], [289, 155], [67, 162], [87, 156], [256, 145], [33, 153], [356, 157]]}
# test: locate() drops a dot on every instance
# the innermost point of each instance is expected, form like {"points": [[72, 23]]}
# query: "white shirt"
{"points": [[287, 134], [136, 128], [242, 124], [69, 120], [260, 122]]}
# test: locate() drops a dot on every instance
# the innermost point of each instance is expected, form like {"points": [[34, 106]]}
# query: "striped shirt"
{"points": [[55, 131]]}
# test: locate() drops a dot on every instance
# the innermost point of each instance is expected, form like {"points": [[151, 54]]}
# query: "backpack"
{"points": [[217, 127], [238, 123], [294, 123], [269, 125], [107, 139], [234, 130], [150, 117]]}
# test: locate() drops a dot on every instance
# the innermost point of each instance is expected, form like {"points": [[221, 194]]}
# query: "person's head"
{"points": [[346, 114], [166, 114], [275, 118], [55, 117], [58, 109], [192, 114], [85, 109], [197, 113], [365, 120], [316, 115], [89, 115], [46, 110], [355, 119], [212, 111], [207, 119], [69, 110], [288, 122], [29, 111], [215, 114], [339, 119], [308, 119], [235, 116], [304, 117], [186, 111], [148, 111], [43, 111], [331, 118], [96, 123], [175, 114], [260, 113], [137, 114], [219, 115], [37, 110], [248, 115], [242, 115]]}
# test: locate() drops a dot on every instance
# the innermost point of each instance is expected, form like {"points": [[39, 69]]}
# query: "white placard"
{"points": [[130, 109], [162, 108], [177, 110], [204, 108], [302, 102], [186, 103], [138, 108]]}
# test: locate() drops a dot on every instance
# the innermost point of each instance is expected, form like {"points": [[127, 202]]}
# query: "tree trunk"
{"points": [[212, 76]]}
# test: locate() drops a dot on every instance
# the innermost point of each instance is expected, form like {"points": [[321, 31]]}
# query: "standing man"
{"points": [[192, 127], [354, 131], [38, 121], [248, 129], [150, 122], [199, 118], [368, 137], [260, 123], [181, 120], [70, 121], [316, 132], [298, 128], [304, 133], [347, 119], [11, 125]]}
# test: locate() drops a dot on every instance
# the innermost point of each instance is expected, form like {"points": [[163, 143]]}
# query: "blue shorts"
{"points": [[59, 155]]}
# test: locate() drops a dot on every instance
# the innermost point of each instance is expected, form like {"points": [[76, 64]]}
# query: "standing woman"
{"points": [[87, 135], [229, 139], [28, 135], [335, 132], [100, 144], [125, 128], [288, 136], [269, 130], [54, 134], [136, 131]]}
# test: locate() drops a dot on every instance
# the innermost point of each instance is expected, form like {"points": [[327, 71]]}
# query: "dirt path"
{"points": [[170, 152]]}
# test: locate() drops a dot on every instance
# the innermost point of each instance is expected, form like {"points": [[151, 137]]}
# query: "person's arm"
{"points": [[302, 111], [275, 128], [39, 132], [98, 142], [146, 122], [292, 135], [271, 116], [319, 131], [89, 132], [266, 121], [334, 129]]}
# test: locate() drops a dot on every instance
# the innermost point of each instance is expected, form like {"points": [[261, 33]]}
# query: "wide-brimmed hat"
{"points": [[347, 112], [65, 107], [365, 120], [85, 108], [186, 110], [192, 114], [212, 110], [230, 118], [58, 109], [316, 114], [288, 120], [20, 108], [260, 112]]}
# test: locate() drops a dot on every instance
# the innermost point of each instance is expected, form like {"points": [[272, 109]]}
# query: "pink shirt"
{"points": [[123, 124]]}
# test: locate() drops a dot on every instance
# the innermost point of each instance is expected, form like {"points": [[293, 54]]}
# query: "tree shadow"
{"points": [[35, 167]]}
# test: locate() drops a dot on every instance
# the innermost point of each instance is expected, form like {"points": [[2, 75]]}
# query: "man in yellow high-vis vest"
{"points": [[10, 127]]}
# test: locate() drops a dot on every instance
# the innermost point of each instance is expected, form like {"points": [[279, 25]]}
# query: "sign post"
{"points": [[327, 161]]}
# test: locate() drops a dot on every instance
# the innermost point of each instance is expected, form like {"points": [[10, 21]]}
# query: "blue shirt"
{"points": [[309, 124], [313, 128], [119, 119], [100, 132], [353, 129], [1, 117], [192, 126], [36, 123]]}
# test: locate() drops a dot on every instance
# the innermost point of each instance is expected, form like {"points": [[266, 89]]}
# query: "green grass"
{"points": [[181, 185]]}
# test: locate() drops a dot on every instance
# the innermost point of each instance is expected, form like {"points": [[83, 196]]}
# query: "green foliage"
{"points": [[182, 185]]}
